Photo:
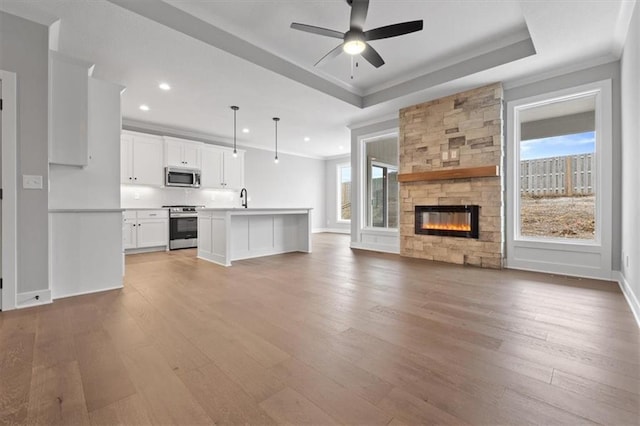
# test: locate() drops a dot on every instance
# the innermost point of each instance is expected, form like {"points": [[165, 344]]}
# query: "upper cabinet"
{"points": [[141, 159], [68, 110], [182, 153], [220, 169]]}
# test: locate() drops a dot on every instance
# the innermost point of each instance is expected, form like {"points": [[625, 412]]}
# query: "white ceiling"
{"points": [[465, 43]]}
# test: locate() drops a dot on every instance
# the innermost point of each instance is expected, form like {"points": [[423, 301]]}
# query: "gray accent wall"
{"points": [[603, 72], [630, 81], [24, 49]]}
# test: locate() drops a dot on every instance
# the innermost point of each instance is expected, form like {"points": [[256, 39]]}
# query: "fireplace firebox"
{"points": [[448, 221]]}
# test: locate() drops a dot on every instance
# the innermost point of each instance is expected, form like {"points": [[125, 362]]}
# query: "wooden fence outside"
{"points": [[559, 176]]}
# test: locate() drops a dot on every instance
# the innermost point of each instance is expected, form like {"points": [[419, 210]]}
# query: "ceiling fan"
{"points": [[355, 41]]}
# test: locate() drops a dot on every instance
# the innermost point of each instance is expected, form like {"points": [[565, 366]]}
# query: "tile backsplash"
{"points": [[133, 196]]}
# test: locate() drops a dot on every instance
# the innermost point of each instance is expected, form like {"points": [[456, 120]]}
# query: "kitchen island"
{"points": [[228, 234]]}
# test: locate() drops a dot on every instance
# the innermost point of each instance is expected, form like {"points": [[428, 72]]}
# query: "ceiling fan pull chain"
{"points": [[352, 68]]}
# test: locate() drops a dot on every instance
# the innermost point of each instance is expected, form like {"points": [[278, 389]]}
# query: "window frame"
{"points": [[339, 168], [584, 258]]}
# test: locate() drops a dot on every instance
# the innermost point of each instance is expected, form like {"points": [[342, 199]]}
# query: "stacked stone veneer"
{"points": [[471, 123]]}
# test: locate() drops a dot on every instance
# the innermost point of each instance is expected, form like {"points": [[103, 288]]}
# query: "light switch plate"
{"points": [[454, 154], [31, 182], [445, 155]]}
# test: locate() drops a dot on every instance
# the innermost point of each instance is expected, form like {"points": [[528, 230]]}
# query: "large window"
{"points": [[558, 169], [382, 188], [560, 181], [344, 192]]}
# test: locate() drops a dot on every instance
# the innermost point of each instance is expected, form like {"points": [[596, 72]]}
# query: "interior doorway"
{"points": [[8, 201]]}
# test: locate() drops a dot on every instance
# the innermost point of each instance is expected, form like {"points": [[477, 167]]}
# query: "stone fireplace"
{"points": [[451, 150]]}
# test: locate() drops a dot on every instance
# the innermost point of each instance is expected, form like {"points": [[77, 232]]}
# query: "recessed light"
{"points": [[164, 86], [144, 107], [245, 130], [307, 138]]}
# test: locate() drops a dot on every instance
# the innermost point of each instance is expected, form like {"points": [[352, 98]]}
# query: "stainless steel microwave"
{"points": [[178, 176]]}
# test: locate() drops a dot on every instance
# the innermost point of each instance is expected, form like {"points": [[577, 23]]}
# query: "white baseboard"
{"points": [[33, 298], [382, 248], [82, 293], [331, 231], [146, 250], [632, 299]]}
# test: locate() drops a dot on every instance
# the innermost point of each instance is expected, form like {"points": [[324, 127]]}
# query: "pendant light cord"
{"points": [[235, 109], [276, 119]]}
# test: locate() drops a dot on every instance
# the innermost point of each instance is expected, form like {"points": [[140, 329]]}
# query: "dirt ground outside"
{"points": [[564, 217]]}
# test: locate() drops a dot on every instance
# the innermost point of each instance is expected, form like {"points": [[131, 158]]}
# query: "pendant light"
{"points": [[276, 119], [235, 110]]}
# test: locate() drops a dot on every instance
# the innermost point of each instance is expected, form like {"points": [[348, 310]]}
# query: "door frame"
{"points": [[580, 258], [9, 186]]}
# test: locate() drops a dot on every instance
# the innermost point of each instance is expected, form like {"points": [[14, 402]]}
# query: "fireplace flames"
{"points": [[447, 227]]}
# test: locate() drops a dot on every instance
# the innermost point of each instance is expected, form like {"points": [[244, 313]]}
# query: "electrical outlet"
{"points": [[445, 155], [136, 196], [454, 154], [31, 182]]}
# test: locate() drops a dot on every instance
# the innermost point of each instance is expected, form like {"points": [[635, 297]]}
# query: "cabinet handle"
{"points": [[134, 225], [153, 214], [130, 178], [135, 178]]}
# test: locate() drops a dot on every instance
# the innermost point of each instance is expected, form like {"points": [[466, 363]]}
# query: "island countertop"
{"points": [[254, 209]]}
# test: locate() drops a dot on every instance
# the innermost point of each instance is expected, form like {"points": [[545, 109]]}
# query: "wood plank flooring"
{"points": [[338, 336]]}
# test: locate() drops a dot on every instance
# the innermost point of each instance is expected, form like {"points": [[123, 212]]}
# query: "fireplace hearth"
{"points": [[448, 221]]}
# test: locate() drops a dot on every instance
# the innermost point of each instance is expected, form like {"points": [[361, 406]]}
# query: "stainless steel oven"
{"points": [[183, 227]]}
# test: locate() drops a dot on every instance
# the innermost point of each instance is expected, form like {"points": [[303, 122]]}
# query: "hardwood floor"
{"points": [[336, 336]]}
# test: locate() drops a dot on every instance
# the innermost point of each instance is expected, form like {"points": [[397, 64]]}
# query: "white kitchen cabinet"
{"points": [[182, 153], [220, 169], [68, 110], [141, 160], [143, 229], [129, 240]]}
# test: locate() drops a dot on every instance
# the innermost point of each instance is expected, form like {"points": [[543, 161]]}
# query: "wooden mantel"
{"points": [[469, 172]]}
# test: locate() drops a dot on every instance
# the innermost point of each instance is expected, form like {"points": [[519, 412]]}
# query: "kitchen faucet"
{"points": [[243, 197]]}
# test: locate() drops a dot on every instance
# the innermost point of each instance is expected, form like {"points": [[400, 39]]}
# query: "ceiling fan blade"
{"points": [[393, 30], [332, 54], [359, 10], [317, 30], [371, 55]]}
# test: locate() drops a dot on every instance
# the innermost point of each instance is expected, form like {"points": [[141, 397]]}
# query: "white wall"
{"points": [[24, 49], [293, 182], [630, 82], [331, 179]]}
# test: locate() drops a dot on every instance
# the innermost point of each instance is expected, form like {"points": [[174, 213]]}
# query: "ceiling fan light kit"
{"points": [[355, 41]]}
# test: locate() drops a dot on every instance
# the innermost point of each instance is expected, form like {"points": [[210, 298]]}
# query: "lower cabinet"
{"points": [[143, 229]]}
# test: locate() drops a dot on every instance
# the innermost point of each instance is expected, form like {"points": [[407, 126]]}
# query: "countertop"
{"points": [[252, 209], [145, 208], [86, 210]]}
